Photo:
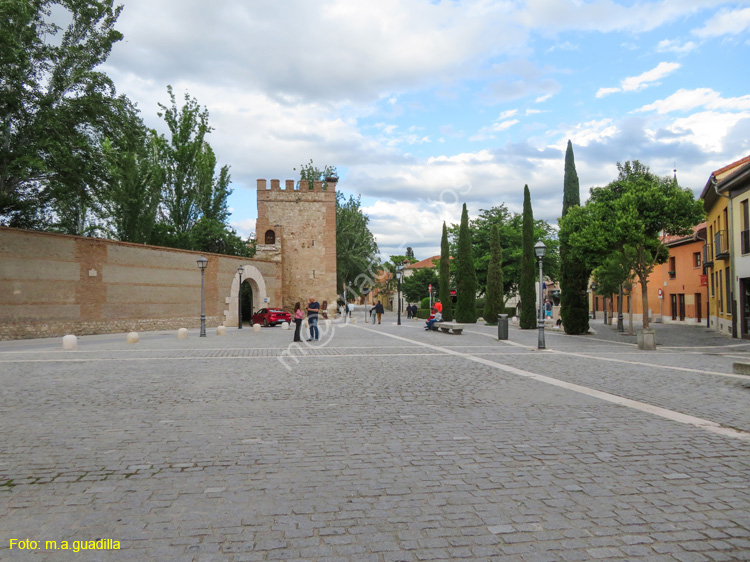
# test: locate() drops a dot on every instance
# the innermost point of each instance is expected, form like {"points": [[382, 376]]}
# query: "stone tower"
{"points": [[298, 228]]}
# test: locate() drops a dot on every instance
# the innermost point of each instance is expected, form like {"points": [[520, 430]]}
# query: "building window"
{"points": [[672, 271], [270, 237], [713, 285], [696, 259], [721, 291]]}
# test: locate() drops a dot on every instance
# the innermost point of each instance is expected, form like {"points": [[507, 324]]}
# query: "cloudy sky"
{"points": [[423, 105]]}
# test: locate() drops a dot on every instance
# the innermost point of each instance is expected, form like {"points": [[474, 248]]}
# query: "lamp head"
{"points": [[202, 262], [540, 249]]}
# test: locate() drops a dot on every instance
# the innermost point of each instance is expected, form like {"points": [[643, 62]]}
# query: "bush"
{"points": [[423, 313], [425, 303]]}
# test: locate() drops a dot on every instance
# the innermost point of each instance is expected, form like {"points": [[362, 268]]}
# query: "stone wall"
{"points": [[52, 284], [303, 222]]}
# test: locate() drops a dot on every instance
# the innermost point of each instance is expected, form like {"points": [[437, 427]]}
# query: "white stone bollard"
{"points": [[285, 325], [182, 333], [256, 328], [70, 342], [221, 330], [132, 337]]}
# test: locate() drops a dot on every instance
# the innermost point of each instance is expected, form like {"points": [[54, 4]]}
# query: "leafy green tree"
{"points": [[574, 275], [132, 194], [444, 283], [55, 108], [356, 249], [528, 318], [410, 255], [212, 235], [510, 228], [494, 301], [415, 286], [466, 280], [312, 173], [625, 220]]}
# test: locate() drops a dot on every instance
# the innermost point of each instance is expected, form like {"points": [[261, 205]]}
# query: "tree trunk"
{"points": [[644, 293]]}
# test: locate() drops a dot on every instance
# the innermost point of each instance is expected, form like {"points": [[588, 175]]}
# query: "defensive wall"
{"points": [[54, 284], [298, 228]]}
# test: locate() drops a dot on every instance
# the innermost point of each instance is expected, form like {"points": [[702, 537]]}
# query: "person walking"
{"points": [[298, 316], [373, 313], [313, 308], [379, 310]]}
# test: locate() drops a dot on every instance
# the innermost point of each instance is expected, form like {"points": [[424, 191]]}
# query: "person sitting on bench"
{"points": [[436, 317]]}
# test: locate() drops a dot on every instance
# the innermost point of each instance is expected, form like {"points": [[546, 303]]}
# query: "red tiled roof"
{"points": [[731, 166], [670, 239], [425, 264]]}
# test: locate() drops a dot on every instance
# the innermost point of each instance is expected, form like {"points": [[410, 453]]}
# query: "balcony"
{"points": [[721, 245], [708, 255]]}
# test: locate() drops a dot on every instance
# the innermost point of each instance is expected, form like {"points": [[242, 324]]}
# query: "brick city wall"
{"points": [[304, 224], [53, 284]]}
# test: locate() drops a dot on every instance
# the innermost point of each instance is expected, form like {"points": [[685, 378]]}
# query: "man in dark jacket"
{"points": [[379, 310]]}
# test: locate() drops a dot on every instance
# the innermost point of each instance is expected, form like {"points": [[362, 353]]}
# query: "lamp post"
{"points": [[620, 324], [539, 250], [240, 270], [400, 274], [203, 263]]}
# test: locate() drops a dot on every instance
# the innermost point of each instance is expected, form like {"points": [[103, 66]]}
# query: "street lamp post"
{"points": [[400, 274], [620, 324], [539, 250], [240, 270], [203, 263]]}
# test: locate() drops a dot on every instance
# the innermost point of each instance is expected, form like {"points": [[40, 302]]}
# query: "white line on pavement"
{"points": [[708, 425]]}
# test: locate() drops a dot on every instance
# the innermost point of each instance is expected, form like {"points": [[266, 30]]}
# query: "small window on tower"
{"points": [[270, 237]]}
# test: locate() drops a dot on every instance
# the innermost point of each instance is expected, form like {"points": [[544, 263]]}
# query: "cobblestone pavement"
{"points": [[379, 443]]}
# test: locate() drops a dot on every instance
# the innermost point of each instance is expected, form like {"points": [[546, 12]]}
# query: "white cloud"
{"points": [[635, 83], [685, 100], [544, 98], [726, 22], [706, 129], [669, 46]]}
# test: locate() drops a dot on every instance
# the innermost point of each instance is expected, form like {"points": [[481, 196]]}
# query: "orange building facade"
{"points": [[677, 291]]}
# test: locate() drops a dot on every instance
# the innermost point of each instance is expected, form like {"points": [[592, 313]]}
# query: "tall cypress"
{"points": [[574, 276], [527, 288], [466, 276], [445, 277], [493, 303]]}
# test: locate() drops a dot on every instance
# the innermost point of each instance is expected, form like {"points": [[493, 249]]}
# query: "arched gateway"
{"points": [[250, 275]]}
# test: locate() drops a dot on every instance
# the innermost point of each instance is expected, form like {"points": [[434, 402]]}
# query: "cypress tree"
{"points": [[526, 289], [466, 276], [445, 277], [493, 304], [574, 276]]}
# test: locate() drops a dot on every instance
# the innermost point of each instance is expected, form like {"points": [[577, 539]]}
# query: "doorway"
{"points": [[681, 297], [246, 302], [745, 304], [698, 308]]}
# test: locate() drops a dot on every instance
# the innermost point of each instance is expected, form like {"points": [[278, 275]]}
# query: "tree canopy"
{"points": [[623, 223]]}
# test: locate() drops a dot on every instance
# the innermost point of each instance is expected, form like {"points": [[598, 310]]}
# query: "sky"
{"points": [[425, 105]]}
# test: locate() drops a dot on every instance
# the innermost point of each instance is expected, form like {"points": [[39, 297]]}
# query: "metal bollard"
{"points": [[502, 326]]}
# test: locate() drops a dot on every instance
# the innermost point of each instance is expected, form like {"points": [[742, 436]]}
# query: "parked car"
{"points": [[271, 316]]}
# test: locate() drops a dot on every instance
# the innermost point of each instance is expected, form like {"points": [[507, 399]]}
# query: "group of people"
{"points": [[378, 311], [314, 310], [411, 311]]}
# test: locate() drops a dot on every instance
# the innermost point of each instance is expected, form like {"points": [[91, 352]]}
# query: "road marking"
{"points": [[707, 425], [629, 362]]}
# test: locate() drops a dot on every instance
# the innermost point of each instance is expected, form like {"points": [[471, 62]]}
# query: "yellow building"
{"points": [[717, 252]]}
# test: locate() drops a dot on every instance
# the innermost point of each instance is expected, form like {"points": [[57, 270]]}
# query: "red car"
{"points": [[271, 317]]}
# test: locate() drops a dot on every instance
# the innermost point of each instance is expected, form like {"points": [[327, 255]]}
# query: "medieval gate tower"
{"points": [[298, 228]]}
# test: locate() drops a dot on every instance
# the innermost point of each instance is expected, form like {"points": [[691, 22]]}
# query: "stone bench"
{"points": [[448, 327]]}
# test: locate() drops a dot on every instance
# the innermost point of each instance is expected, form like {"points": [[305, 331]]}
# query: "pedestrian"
{"points": [[414, 310], [324, 310], [434, 317], [313, 308], [379, 310], [298, 316], [548, 308], [408, 311], [350, 308], [439, 307], [373, 313]]}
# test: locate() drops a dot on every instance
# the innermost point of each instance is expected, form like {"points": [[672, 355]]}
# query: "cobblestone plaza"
{"points": [[379, 443]]}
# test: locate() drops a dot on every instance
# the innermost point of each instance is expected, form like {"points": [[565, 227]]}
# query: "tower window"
{"points": [[270, 237]]}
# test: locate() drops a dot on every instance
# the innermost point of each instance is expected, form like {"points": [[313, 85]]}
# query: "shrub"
{"points": [[423, 313]]}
